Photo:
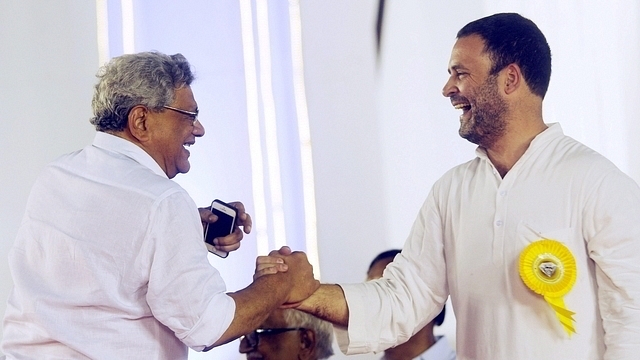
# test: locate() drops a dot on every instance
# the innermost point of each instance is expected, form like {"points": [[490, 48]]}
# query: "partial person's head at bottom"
{"points": [[423, 339], [289, 334], [376, 269]]}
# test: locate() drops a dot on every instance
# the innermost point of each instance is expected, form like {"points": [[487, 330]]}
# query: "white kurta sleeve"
{"points": [[185, 292], [388, 311], [612, 231]]}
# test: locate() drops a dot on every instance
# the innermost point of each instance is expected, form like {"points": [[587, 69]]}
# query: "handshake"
{"points": [[295, 274]]}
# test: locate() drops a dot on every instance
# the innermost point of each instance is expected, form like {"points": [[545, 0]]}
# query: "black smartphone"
{"points": [[222, 227]]}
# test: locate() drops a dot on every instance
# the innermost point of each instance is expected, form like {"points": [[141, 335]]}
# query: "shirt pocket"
{"points": [[526, 234]]}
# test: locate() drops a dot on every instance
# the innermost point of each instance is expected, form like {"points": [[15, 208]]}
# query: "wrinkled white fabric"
{"points": [[466, 243], [438, 351], [109, 263]]}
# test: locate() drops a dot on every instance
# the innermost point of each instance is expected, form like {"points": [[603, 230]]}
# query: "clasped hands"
{"points": [[296, 266], [293, 266]]}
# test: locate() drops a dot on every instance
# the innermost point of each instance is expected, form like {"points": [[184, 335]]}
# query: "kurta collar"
{"points": [[125, 147], [553, 131]]}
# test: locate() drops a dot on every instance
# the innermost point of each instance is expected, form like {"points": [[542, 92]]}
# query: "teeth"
{"points": [[460, 106]]}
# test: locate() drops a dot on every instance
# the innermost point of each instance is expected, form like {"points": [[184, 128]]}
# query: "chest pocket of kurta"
{"points": [[526, 234]]}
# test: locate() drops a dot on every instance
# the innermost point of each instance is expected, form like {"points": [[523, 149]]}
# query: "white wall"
{"points": [[49, 59], [338, 39], [339, 52]]}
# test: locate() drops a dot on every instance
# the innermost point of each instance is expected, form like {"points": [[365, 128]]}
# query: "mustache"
{"points": [[459, 99]]}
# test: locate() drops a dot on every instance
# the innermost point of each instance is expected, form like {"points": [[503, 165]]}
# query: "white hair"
{"points": [[146, 78], [323, 330]]}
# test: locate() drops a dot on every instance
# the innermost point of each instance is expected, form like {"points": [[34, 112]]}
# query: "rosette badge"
{"points": [[548, 268]]}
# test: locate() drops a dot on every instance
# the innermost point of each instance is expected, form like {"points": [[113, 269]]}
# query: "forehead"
{"points": [[184, 98], [468, 53]]}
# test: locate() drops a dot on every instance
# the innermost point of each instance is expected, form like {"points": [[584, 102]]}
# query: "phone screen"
{"points": [[222, 227]]}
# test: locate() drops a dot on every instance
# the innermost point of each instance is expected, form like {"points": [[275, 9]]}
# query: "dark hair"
{"points": [[392, 254], [147, 78], [510, 38]]}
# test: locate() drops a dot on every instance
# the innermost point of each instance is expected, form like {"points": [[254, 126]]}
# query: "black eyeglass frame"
{"points": [[192, 114], [253, 338]]}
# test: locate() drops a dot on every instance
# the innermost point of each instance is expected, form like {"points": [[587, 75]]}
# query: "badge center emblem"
{"points": [[548, 268]]}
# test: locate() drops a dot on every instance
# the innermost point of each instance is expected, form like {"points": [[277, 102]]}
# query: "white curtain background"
{"points": [[337, 165]]}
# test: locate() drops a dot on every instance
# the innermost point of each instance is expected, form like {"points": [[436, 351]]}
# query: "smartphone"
{"points": [[222, 227]]}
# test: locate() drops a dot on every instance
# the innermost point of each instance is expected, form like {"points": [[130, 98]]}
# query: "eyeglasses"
{"points": [[253, 338], [190, 114]]}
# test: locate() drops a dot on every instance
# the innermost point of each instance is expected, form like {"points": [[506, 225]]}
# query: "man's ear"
{"points": [[138, 122], [307, 344], [512, 78]]}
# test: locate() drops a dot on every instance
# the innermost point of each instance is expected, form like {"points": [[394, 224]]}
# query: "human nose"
{"points": [[449, 88], [198, 128]]}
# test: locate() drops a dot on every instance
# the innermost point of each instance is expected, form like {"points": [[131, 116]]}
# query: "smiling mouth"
{"points": [[186, 146], [466, 109], [463, 107]]}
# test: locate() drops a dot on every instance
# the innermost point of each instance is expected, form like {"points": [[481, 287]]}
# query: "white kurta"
{"points": [[110, 263], [466, 242], [438, 351]]}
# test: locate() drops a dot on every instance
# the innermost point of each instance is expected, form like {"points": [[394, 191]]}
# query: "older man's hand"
{"points": [[230, 242], [296, 268]]}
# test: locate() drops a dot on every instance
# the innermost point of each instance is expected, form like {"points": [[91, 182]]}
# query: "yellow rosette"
{"points": [[548, 268]]}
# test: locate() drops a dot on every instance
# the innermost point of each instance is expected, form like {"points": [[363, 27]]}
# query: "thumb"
{"points": [[285, 250]]}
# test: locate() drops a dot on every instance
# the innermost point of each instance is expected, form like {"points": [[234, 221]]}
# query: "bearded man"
{"points": [[536, 240]]}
